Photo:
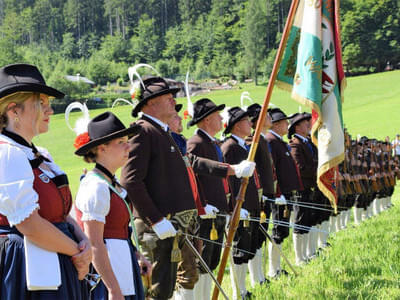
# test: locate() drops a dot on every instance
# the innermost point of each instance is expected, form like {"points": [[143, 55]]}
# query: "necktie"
{"points": [[269, 147], [219, 152], [247, 147], [310, 147]]}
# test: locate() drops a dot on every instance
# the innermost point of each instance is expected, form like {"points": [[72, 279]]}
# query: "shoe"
{"points": [[279, 274], [247, 295], [283, 272]]}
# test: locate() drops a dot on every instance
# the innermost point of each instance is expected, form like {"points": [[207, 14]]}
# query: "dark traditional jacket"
{"points": [[306, 159], [211, 187], [264, 166], [234, 154], [285, 167]]}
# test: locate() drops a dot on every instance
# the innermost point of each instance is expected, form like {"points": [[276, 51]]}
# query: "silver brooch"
{"points": [[44, 178]]}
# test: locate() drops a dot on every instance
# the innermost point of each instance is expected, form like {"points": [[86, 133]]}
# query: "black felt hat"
{"points": [[103, 128], [153, 87], [277, 114], [235, 115], [296, 119], [254, 112], [24, 78], [203, 108]]}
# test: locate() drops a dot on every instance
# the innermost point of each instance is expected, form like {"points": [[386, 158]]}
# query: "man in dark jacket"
{"points": [[234, 150], [265, 173], [213, 190], [288, 183], [306, 160]]}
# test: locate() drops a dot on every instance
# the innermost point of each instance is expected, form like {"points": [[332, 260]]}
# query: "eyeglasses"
{"points": [[93, 280]]}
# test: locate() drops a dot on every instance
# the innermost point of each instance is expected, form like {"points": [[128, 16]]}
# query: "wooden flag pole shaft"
{"points": [[261, 119]]}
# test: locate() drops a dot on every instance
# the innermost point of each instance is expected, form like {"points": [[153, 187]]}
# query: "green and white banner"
{"points": [[312, 70]]}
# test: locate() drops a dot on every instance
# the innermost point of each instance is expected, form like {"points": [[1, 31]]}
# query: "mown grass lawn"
{"points": [[364, 261]]}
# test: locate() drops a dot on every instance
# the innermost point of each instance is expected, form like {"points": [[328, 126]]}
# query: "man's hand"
{"points": [[211, 212], [244, 214], [281, 200], [164, 229], [244, 169]]}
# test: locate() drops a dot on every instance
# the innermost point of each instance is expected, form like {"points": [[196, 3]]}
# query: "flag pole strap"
{"points": [[260, 123]]}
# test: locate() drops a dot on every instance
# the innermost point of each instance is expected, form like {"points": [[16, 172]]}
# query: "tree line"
{"points": [[229, 39]]}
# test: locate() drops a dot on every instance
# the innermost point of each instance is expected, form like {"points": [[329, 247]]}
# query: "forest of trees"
{"points": [[225, 39]]}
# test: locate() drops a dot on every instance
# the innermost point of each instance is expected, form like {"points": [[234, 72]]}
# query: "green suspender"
{"points": [[135, 237]]}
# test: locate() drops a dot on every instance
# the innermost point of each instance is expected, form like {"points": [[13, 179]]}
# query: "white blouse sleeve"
{"points": [[18, 199], [93, 199]]}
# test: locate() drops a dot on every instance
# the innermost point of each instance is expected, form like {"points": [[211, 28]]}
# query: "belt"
{"points": [[183, 218]]}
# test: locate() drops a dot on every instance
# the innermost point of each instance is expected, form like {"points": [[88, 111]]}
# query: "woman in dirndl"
{"points": [[43, 252], [104, 211]]}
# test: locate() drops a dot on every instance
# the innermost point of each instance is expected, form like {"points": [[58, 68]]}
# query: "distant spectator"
{"points": [[396, 145]]}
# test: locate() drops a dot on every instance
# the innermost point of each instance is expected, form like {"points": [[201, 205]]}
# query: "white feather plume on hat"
{"points": [[135, 85], [131, 103], [245, 96], [189, 101], [225, 115], [225, 119], [81, 124]]}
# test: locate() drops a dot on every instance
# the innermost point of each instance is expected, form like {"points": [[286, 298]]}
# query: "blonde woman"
{"points": [[104, 211], [38, 238]]}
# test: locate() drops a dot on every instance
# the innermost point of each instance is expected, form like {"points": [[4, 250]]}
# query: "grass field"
{"points": [[364, 262]]}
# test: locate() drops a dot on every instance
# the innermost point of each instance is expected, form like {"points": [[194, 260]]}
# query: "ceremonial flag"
{"points": [[312, 70]]}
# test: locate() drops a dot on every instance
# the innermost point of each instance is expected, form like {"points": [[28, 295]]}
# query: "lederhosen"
{"points": [[117, 227], [55, 203]]}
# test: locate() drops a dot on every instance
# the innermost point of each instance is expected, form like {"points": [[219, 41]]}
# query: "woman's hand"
{"points": [[82, 260], [115, 295], [145, 266]]}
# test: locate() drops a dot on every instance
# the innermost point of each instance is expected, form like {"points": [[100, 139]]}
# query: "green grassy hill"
{"points": [[364, 262]]}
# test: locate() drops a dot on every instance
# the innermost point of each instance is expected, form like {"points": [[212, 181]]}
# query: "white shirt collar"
{"points": [[10, 141], [305, 140], [54, 169], [262, 134], [241, 141], [206, 133], [275, 134], [162, 124]]}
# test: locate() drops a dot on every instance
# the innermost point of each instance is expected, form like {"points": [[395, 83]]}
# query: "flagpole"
{"points": [[234, 222]]}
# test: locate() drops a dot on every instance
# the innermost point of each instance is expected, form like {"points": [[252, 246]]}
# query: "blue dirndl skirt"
{"points": [[101, 293], [12, 269]]}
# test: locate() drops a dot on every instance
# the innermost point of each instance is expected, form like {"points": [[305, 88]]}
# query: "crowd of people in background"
{"points": [[158, 233]]}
